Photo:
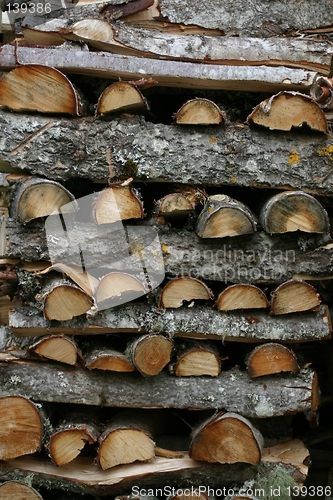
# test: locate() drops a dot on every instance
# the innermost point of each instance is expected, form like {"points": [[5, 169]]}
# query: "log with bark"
{"points": [[177, 205], [197, 322], [39, 88], [21, 427], [294, 211], [199, 111], [235, 155], [267, 359], [294, 296], [35, 197], [58, 348], [166, 72], [255, 258], [265, 396], [287, 111], [226, 438], [16, 490], [223, 216], [243, 296], [322, 92], [122, 97], [196, 359], [150, 353], [106, 357], [180, 290]]}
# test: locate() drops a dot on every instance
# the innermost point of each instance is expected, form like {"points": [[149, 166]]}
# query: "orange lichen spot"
{"points": [[294, 158]]}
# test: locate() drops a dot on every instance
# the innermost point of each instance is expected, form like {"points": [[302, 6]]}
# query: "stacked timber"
{"points": [[166, 210]]}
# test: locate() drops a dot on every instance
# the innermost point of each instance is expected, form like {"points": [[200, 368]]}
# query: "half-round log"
{"points": [[195, 360], [241, 296], [267, 359], [15, 490], [63, 300], [56, 347], [294, 296], [179, 290], [121, 97], [116, 288], [199, 111], [117, 202]]}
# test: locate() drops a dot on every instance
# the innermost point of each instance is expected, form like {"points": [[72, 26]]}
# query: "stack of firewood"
{"points": [[165, 248]]}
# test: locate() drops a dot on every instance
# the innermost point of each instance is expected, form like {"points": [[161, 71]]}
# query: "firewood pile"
{"points": [[166, 251]]}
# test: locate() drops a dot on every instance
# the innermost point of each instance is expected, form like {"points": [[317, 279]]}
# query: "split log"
{"points": [[117, 288], [62, 300], [104, 357], [222, 216], [294, 211], [195, 360], [322, 92], [243, 296], [267, 359], [21, 426], [275, 19], [227, 438], [198, 322], [34, 198], [125, 439], [294, 296], [166, 72], [179, 204], [122, 97], [179, 290], [39, 88], [58, 348], [199, 111], [286, 394], [15, 490], [150, 353], [117, 202], [287, 111], [70, 437]]}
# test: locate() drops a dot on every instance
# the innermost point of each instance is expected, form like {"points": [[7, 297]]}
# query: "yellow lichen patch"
{"points": [[213, 139], [326, 151], [165, 249], [294, 158], [233, 179]]}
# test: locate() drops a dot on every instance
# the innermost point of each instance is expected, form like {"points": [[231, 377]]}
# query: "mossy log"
{"points": [[254, 258], [196, 322], [265, 397]]}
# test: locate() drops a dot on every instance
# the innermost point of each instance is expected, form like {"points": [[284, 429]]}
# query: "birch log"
{"points": [[232, 155]]}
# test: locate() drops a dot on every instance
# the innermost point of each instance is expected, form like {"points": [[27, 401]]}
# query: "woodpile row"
{"points": [[166, 250]]}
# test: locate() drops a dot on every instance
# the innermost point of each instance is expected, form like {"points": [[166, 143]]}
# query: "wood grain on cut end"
{"points": [[15, 490], [67, 444], [103, 358], [267, 359], [294, 296], [151, 353], [65, 301], [222, 216], [35, 197], [197, 362], [39, 88], [227, 438], [121, 97], [58, 348], [117, 203], [288, 110], [291, 211], [175, 205], [179, 290], [241, 296], [114, 286], [199, 111], [124, 446], [21, 427]]}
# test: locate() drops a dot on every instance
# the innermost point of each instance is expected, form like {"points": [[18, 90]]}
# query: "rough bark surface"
{"points": [[250, 18], [167, 73], [129, 146], [232, 390], [197, 322]]}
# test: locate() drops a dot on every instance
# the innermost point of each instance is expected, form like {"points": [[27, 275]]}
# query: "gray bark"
{"points": [[197, 322], [167, 73], [250, 18], [238, 156], [252, 398]]}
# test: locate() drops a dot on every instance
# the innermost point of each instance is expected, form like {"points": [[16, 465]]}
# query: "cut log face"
{"points": [[227, 438], [267, 359], [294, 296], [15, 490], [115, 288], [58, 348], [65, 301], [115, 203], [121, 97], [104, 358], [196, 361], [175, 205], [150, 353], [38, 88], [21, 427], [67, 442], [288, 110], [322, 92], [222, 216], [241, 296], [199, 111], [35, 198], [179, 290], [291, 211]]}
